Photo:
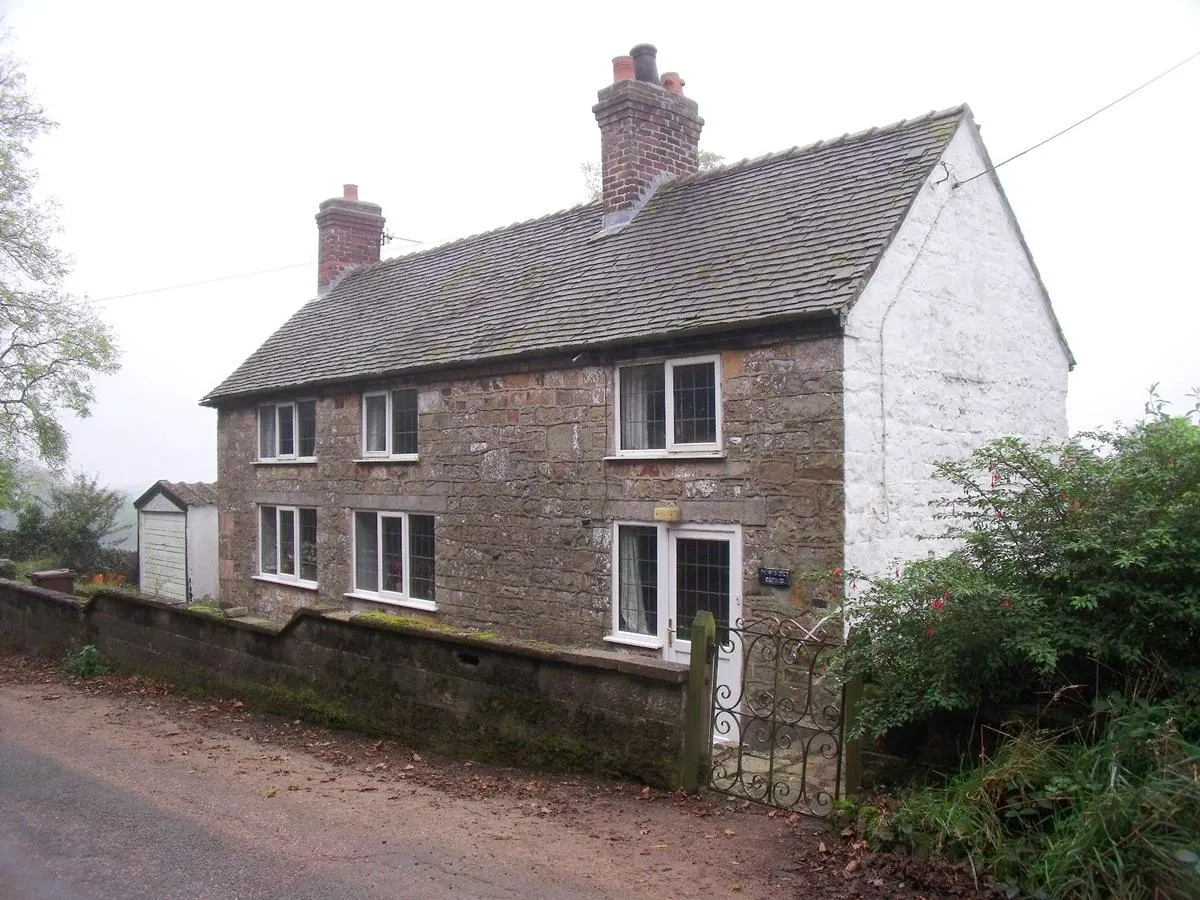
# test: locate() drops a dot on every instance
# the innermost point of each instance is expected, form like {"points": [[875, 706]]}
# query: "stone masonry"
{"points": [[512, 465]]}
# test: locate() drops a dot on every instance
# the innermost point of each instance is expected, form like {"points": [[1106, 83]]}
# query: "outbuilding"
{"points": [[177, 540]]}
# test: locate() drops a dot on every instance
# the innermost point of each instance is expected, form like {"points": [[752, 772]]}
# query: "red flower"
{"points": [[932, 631], [938, 604], [1006, 603], [839, 571]]}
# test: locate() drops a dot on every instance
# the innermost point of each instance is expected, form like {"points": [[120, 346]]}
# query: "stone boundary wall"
{"points": [[535, 706]]}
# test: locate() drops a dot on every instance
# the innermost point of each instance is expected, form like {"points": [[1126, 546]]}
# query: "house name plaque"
{"points": [[775, 577]]}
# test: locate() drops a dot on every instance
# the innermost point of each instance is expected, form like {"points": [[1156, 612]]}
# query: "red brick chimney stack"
{"points": [[349, 235], [649, 132]]}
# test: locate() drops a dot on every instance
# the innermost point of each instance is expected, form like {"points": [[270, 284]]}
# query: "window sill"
{"points": [[633, 640], [425, 605], [288, 582], [304, 461], [664, 456], [401, 458]]}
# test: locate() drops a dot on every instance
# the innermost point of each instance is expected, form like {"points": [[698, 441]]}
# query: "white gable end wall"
{"points": [[952, 343], [159, 503]]}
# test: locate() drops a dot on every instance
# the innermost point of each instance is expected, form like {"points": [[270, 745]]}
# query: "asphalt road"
{"points": [[95, 805]]}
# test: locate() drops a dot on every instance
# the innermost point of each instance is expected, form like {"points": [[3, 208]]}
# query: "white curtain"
{"points": [[636, 384], [376, 424], [633, 611]]}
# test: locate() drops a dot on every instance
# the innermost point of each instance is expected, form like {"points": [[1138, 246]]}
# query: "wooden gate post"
{"points": [[852, 748], [699, 699]]}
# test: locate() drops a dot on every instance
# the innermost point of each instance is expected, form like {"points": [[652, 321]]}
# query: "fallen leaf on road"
{"points": [[52, 697], [729, 832], [852, 866], [271, 793]]}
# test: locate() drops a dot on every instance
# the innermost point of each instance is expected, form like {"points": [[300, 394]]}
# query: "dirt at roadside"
{"points": [[661, 844]]}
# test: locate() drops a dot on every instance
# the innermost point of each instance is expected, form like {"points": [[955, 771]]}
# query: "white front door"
{"points": [[664, 575], [704, 573]]}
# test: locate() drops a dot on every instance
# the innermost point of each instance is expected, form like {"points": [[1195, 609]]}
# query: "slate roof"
{"points": [[181, 493], [788, 235]]}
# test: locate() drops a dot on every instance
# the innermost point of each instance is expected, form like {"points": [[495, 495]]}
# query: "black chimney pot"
{"points": [[645, 64]]}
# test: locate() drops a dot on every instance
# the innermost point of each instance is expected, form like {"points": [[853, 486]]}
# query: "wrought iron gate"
{"points": [[777, 735]]}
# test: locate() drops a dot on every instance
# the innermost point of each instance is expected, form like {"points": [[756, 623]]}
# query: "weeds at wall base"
{"points": [[85, 662]]}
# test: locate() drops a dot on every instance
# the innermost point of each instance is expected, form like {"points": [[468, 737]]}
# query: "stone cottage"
{"points": [[587, 427]]}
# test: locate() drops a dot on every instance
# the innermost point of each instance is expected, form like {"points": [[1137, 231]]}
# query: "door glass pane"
{"points": [[695, 403], [701, 582], [266, 432], [404, 421], [306, 424], [287, 430], [637, 586], [420, 557], [308, 544], [287, 542], [366, 552], [268, 548], [393, 554], [376, 424], [643, 407]]}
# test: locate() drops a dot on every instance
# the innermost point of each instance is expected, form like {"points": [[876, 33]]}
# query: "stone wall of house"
{"points": [[513, 466]]}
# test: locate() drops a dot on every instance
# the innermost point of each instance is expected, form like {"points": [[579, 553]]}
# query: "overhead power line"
{"points": [[1086, 118], [219, 278]]}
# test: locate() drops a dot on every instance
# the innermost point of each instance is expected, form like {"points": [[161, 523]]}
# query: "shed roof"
{"points": [[784, 236], [182, 493]]}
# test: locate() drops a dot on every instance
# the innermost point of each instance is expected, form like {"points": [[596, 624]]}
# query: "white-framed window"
{"points": [[287, 544], [664, 574], [673, 406], [394, 558], [287, 431], [389, 424]]}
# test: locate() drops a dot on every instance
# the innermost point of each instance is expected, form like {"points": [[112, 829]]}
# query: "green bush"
{"points": [[1077, 572], [1114, 817], [85, 663]]}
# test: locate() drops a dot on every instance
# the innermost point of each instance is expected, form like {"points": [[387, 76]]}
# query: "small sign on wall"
{"points": [[775, 577]]}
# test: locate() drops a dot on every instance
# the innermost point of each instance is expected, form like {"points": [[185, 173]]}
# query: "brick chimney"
{"points": [[349, 235], [649, 132]]}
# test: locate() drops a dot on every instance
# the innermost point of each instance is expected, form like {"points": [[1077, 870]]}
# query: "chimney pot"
{"points": [[350, 192], [623, 69], [645, 62], [649, 132]]}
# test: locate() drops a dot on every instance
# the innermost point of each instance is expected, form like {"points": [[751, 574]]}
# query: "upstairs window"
{"points": [[390, 424], [287, 544], [287, 431], [394, 558], [669, 407]]}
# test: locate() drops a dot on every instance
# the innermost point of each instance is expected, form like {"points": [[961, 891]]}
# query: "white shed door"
{"points": [[162, 555]]}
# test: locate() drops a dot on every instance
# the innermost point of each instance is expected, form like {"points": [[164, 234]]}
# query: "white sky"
{"points": [[196, 142]]}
